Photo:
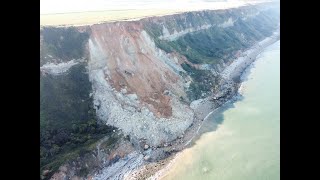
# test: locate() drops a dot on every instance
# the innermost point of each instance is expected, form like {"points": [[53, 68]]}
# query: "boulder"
{"points": [[123, 91], [146, 158], [45, 172], [146, 146]]}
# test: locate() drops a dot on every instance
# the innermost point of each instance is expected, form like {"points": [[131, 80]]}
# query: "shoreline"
{"points": [[153, 162], [232, 72], [238, 66]]}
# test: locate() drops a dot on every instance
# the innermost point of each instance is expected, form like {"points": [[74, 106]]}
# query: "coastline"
{"points": [[153, 162], [206, 107], [147, 144], [238, 66]]}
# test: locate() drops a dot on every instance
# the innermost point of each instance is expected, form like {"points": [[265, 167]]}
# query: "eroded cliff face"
{"points": [[138, 71], [144, 77], [134, 65], [145, 73], [137, 86]]}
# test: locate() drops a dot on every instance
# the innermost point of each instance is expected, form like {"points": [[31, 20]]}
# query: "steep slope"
{"points": [[68, 122], [144, 77], [142, 70], [134, 88]]}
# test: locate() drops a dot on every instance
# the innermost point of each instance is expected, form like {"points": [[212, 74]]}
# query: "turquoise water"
{"points": [[246, 144]]}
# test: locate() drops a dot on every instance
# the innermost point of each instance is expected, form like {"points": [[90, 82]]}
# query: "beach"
{"points": [[203, 108]]}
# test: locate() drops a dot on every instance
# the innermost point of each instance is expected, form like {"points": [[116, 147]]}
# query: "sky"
{"points": [[66, 6]]}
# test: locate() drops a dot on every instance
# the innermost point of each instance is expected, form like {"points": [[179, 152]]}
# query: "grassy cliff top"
{"points": [[96, 17]]}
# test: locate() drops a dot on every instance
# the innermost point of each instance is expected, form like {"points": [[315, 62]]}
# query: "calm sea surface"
{"points": [[245, 144]]}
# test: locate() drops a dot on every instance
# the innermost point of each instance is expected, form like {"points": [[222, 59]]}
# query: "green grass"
{"points": [[65, 43], [68, 122], [203, 82], [81, 140], [64, 100], [214, 44], [53, 163]]}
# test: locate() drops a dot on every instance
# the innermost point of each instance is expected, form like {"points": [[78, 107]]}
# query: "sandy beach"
{"points": [[235, 69], [156, 161], [204, 108]]}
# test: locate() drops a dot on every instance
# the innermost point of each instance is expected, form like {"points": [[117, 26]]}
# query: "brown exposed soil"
{"points": [[131, 63], [182, 59]]}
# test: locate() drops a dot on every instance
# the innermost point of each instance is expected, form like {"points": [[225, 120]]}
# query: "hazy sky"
{"points": [[63, 6]]}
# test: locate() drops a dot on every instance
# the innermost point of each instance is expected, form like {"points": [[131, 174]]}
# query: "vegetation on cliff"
{"points": [[202, 84], [68, 123], [65, 43], [216, 43]]}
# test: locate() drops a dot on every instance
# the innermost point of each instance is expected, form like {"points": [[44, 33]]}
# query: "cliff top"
{"points": [[97, 17]]}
